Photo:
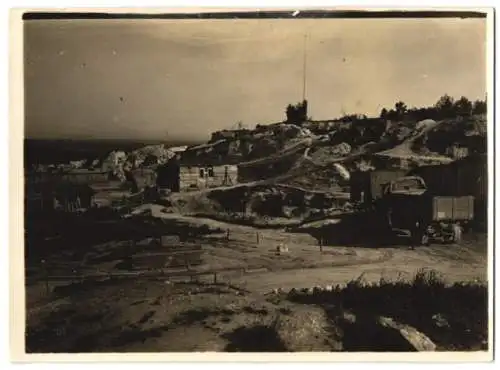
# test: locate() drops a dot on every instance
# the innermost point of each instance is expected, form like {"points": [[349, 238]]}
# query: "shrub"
{"points": [[417, 302]]}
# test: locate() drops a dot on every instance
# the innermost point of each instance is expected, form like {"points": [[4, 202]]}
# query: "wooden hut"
{"points": [[178, 175]]}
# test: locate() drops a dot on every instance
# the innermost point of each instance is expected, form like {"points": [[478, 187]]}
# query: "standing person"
{"points": [[418, 236], [414, 238]]}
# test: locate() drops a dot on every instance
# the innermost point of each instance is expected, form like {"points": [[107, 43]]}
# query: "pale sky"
{"points": [[178, 79]]}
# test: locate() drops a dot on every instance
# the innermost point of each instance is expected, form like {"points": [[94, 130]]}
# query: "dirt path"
{"points": [[290, 150]]}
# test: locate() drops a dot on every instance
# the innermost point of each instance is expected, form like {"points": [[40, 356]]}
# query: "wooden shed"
{"points": [[467, 176], [207, 176], [177, 175]]}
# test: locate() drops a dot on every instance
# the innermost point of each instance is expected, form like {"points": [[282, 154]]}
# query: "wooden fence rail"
{"points": [[135, 274]]}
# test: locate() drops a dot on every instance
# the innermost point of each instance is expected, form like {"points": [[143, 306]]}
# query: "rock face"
{"points": [[304, 329]]}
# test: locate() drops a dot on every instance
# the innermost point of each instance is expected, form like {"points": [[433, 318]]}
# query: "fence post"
{"points": [[227, 235], [215, 278], [321, 244], [258, 237]]}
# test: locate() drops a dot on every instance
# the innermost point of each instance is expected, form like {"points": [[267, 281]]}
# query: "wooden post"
{"points": [[227, 235], [215, 278], [258, 237], [321, 244]]}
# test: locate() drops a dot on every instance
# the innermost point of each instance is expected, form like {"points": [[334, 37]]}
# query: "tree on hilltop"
{"points": [[297, 114], [479, 107], [445, 106], [401, 109], [463, 107]]}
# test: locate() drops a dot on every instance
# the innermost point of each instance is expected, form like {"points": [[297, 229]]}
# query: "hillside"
{"points": [[314, 155], [419, 143], [309, 176], [317, 155]]}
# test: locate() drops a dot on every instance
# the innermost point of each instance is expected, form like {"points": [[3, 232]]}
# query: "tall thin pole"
{"points": [[305, 69]]}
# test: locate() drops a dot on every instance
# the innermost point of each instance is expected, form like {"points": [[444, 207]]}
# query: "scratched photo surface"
{"points": [[255, 185]]}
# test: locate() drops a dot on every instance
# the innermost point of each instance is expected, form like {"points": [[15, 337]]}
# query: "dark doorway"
{"points": [[168, 176]]}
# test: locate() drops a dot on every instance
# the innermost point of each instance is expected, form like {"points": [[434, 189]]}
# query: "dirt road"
{"points": [[305, 266], [397, 267]]}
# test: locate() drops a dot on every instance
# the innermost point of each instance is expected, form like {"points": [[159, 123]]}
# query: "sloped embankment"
{"points": [[256, 204]]}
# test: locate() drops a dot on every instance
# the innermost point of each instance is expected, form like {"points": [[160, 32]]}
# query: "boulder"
{"points": [[382, 334], [419, 341]]}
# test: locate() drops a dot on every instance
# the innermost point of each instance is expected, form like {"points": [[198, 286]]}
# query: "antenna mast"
{"points": [[305, 69]]}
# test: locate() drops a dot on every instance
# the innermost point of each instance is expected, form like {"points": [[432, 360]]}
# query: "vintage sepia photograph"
{"points": [[289, 181]]}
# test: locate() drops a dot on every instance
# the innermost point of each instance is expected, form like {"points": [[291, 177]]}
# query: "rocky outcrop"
{"points": [[150, 155]]}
